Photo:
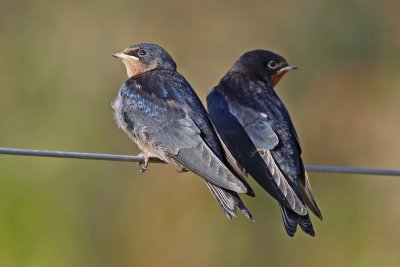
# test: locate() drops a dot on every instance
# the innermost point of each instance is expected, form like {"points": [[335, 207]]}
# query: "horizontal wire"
{"points": [[139, 158], [353, 170], [73, 155]]}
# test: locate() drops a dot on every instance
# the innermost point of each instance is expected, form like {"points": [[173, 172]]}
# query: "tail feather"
{"points": [[228, 201], [306, 225], [291, 219]]}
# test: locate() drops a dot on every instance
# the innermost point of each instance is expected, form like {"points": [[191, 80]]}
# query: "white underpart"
{"points": [[138, 135]]}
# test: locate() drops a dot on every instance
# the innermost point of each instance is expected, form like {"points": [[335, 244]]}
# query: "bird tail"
{"points": [[291, 219], [228, 201]]}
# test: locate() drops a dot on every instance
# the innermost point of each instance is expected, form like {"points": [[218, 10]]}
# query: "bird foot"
{"points": [[144, 165]]}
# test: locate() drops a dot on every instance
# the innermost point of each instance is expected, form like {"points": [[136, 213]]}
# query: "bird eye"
{"points": [[272, 65], [142, 52]]}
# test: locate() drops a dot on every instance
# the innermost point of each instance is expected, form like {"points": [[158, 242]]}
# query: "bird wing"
{"points": [[169, 127], [257, 127], [249, 140], [265, 139], [306, 192]]}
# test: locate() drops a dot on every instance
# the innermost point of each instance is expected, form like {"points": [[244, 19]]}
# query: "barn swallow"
{"points": [[158, 109], [256, 129]]}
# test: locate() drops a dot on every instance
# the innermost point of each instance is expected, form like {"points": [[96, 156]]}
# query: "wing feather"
{"points": [[170, 130], [243, 148]]}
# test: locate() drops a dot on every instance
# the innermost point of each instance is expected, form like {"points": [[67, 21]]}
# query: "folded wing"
{"points": [[170, 129], [249, 142]]}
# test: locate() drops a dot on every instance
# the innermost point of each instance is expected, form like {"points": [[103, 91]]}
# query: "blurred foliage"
{"points": [[58, 79]]}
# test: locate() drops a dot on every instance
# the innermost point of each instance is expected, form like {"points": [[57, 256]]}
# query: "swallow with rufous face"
{"points": [[158, 109], [257, 131]]}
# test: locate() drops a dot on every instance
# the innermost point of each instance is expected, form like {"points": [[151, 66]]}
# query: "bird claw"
{"points": [[182, 169], [143, 166]]}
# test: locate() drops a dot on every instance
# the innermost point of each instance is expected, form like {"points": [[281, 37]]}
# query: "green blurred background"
{"points": [[57, 83]]}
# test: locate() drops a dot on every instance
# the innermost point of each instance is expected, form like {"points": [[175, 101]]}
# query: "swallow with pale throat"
{"points": [[158, 109], [256, 130]]}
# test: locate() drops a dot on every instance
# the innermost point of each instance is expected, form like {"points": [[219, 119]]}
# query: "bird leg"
{"points": [[144, 165]]}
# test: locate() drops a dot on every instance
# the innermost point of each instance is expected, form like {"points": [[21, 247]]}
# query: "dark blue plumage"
{"points": [[257, 130], [160, 111]]}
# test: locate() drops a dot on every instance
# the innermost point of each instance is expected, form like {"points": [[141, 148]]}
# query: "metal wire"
{"points": [[73, 155], [139, 158], [353, 170]]}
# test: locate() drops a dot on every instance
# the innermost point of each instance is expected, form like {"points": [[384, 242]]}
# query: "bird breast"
{"points": [[137, 132]]}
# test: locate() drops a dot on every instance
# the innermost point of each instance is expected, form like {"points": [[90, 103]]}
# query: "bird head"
{"points": [[263, 64], [144, 57]]}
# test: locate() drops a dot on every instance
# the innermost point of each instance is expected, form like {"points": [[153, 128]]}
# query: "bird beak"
{"points": [[281, 72], [124, 56], [287, 68]]}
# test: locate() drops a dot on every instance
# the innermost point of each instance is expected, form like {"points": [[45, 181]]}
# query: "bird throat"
{"points": [[277, 77], [135, 67]]}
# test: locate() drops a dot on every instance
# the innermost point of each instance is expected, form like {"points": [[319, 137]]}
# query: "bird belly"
{"points": [[137, 133]]}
